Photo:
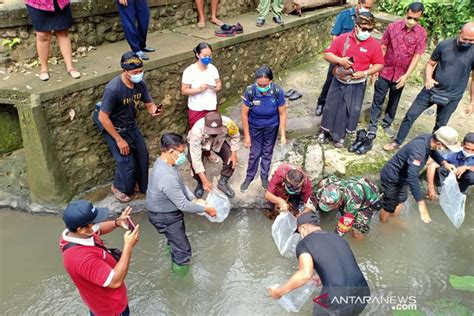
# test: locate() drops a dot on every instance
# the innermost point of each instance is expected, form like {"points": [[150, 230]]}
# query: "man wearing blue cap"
{"points": [[97, 272], [118, 112]]}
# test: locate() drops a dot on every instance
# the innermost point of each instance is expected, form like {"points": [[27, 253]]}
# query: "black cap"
{"points": [[307, 218], [131, 61], [81, 213]]}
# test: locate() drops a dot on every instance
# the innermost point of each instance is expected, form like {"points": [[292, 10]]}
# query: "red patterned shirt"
{"points": [[402, 44]]}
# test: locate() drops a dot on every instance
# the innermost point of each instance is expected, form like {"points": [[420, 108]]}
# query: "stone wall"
{"points": [[97, 22], [84, 157]]}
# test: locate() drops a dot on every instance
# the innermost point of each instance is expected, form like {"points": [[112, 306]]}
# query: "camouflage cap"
{"points": [[329, 197]]}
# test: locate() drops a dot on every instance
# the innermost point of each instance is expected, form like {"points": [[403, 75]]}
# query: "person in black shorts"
{"points": [[405, 166], [332, 258], [122, 97]]}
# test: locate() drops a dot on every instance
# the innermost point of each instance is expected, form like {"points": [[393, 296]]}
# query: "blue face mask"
{"points": [[181, 159], [206, 60], [263, 89], [137, 78]]}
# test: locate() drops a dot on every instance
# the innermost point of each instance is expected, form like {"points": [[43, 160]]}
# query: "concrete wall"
{"points": [[97, 22]]}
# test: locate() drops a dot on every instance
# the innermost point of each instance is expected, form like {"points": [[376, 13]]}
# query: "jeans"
{"points": [[132, 168], [382, 86], [421, 103], [135, 17]]}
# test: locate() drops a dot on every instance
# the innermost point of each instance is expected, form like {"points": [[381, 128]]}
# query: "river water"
{"points": [[234, 262]]}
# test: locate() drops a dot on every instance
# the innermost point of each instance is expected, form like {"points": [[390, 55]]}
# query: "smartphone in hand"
{"points": [[131, 224]]}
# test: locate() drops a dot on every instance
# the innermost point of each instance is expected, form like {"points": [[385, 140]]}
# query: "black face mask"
{"points": [[463, 45]]}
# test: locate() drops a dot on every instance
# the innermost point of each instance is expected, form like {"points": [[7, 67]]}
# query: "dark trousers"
{"points": [[382, 86], [133, 168], [172, 226], [421, 103], [263, 141], [135, 17], [126, 312], [324, 92], [224, 153], [466, 180]]}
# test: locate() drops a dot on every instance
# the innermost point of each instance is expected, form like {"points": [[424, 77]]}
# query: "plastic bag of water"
{"points": [[294, 301], [283, 232], [452, 201], [222, 204]]}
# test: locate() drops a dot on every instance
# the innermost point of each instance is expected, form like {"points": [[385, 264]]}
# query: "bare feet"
{"points": [[217, 22], [201, 24], [383, 216], [357, 235], [432, 195], [122, 197]]}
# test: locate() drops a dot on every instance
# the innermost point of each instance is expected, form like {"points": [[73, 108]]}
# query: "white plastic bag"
{"points": [[222, 204], [283, 232], [294, 301], [452, 201]]}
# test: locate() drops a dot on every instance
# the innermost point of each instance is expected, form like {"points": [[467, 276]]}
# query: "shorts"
{"points": [[393, 194]]}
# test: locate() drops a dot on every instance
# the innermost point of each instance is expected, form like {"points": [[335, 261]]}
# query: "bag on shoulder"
{"points": [[115, 252], [95, 117]]}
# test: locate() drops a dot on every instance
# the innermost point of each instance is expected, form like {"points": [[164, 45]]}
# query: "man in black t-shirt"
{"points": [[446, 77], [337, 269], [122, 97]]}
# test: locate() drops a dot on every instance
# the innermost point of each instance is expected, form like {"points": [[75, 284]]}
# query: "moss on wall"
{"points": [[10, 133]]}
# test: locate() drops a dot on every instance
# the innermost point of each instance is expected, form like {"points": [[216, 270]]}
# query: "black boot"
{"points": [[361, 135], [366, 145], [223, 185], [319, 110], [199, 190]]}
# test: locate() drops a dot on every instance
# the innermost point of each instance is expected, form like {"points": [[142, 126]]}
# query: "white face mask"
{"points": [[362, 10], [466, 154], [362, 36]]}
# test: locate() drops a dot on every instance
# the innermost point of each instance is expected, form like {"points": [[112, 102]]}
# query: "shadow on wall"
{"points": [[10, 133]]}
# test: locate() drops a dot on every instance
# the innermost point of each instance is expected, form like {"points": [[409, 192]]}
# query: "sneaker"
{"points": [[278, 20], [389, 132], [148, 49], [245, 185], [142, 55], [265, 184], [260, 22], [238, 28]]}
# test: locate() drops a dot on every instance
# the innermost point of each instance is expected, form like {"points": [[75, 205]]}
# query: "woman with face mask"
{"points": [[263, 114], [200, 83], [168, 197], [356, 56]]}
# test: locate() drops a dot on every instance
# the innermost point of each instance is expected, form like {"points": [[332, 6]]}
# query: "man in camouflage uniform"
{"points": [[356, 199]]}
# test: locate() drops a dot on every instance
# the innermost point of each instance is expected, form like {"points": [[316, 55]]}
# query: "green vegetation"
{"points": [[9, 44], [442, 18], [10, 134]]}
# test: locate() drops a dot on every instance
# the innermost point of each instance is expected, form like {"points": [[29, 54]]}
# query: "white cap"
{"points": [[448, 137]]}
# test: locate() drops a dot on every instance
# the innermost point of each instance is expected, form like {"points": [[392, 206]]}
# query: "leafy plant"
{"points": [[10, 43], [463, 283], [441, 18]]}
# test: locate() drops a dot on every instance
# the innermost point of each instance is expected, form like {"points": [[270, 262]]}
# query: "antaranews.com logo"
{"points": [[400, 303]]}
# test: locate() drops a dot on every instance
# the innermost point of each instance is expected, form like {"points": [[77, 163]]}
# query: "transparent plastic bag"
{"points": [[222, 204], [283, 232], [452, 201], [295, 300]]}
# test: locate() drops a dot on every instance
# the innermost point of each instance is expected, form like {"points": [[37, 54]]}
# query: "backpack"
{"points": [[275, 91], [95, 117]]}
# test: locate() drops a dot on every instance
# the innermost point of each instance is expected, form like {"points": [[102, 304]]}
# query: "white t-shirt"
{"points": [[206, 100]]}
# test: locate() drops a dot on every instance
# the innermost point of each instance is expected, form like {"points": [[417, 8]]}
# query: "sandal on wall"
{"points": [[43, 75], [74, 73]]}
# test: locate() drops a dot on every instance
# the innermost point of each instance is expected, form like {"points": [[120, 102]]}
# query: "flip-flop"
{"points": [[74, 73], [43, 75], [120, 196], [295, 96], [219, 23], [201, 25], [289, 93]]}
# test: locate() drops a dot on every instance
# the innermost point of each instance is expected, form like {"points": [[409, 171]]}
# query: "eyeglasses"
{"points": [[413, 18], [365, 29]]}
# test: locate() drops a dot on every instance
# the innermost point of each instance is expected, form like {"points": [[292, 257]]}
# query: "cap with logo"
{"points": [[448, 137], [307, 218], [81, 213], [213, 123], [131, 61]]}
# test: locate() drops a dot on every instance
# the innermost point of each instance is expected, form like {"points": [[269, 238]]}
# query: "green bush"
{"points": [[442, 19]]}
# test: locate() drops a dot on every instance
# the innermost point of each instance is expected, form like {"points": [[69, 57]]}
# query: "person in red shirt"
{"points": [[288, 188], [93, 268], [403, 42], [356, 56]]}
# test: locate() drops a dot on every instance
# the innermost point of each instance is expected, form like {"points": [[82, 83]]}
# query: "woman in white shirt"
{"points": [[200, 83]]}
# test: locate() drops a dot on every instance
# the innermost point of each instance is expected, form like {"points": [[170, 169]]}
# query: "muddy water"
{"points": [[234, 262]]}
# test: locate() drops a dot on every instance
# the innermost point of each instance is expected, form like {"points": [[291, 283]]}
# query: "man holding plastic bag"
{"points": [[288, 189], [168, 197], [334, 262], [355, 199]]}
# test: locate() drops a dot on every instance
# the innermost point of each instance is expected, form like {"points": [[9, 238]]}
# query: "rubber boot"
{"points": [[224, 186], [366, 145], [199, 190], [361, 134], [179, 269]]}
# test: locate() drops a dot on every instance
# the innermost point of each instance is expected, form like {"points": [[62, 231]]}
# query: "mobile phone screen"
{"points": [[131, 225]]}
